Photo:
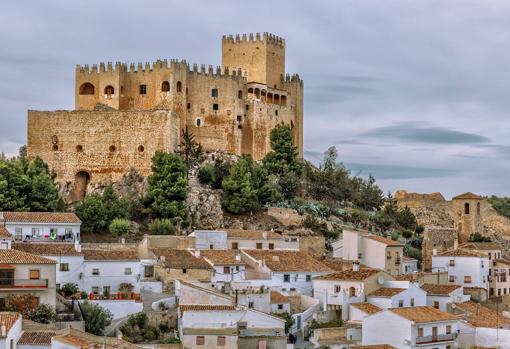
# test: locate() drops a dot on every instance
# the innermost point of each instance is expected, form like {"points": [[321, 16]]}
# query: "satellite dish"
{"points": [[380, 279]]}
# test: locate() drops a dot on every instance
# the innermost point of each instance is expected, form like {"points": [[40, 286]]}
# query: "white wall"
{"points": [[14, 334], [43, 228], [409, 267], [476, 267], [457, 296], [237, 273], [75, 268], [412, 292], [205, 238], [111, 273], [386, 328]]}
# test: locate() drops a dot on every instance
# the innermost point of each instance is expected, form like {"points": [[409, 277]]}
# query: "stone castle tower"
{"points": [[125, 113], [467, 215]]}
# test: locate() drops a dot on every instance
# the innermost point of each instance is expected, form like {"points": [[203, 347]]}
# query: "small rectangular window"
{"points": [[451, 278], [259, 245], [235, 246], [286, 278], [188, 106], [240, 94], [467, 279], [338, 288], [412, 302], [221, 341], [34, 274], [18, 234], [200, 340], [436, 304], [127, 271], [215, 106], [184, 271], [143, 89], [64, 266], [95, 271], [308, 278], [226, 270], [95, 289], [250, 305], [448, 329], [400, 303], [214, 92], [280, 306], [271, 246]]}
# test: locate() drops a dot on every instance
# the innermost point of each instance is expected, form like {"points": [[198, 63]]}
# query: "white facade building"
{"points": [[399, 294], [42, 226], [10, 329], [409, 265], [414, 327], [464, 267], [440, 296], [228, 265]]}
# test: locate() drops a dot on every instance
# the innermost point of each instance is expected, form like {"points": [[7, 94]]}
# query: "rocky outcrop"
{"points": [[403, 195], [204, 205]]}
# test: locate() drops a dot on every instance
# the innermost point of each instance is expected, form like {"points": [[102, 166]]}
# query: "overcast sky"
{"points": [[415, 92]]}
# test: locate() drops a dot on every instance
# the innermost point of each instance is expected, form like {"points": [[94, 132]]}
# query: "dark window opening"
{"points": [[214, 92], [141, 148], [199, 122], [179, 86], [109, 90], [240, 94], [165, 86], [143, 89], [466, 208], [188, 106], [79, 148], [55, 147], [87, 89], [112, 148], [276, 112], [215, 106]]}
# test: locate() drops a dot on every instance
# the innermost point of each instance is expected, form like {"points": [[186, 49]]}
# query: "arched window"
{"points": [[198, 122], [79, 148], [165, 86], [240, 94], [109, 90], [276, 99], [257, 93], [250, 90], [141, 148], [466, 208], [112, 148], [179, 86], [269, 97], [81, 180], [263, 95], [87, 89], [283, 101]]}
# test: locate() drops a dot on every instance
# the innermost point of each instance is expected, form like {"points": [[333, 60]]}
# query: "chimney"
{"points": [[264, 235], [162, 258], [197, 253], [123, 241], [77, 246], [434, 252], [355, 266], [4, 331], [456, 244], [238, 257]]}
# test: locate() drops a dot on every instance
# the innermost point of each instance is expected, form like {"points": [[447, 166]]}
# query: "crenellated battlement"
{"points": [[265, 37], [132, 67]]}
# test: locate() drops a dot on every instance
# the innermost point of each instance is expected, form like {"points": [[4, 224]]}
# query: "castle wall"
{"points": [[104, 144], [467, 222]]}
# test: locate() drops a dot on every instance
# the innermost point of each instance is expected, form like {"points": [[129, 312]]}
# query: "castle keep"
{"points": [[124, 114]]}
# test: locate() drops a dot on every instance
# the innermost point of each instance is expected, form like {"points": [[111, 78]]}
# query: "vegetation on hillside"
{"points": [[27, 185], [501, 205]]}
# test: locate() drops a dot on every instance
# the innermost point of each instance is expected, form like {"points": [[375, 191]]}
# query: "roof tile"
{"points": [[367, 307], [181, 259], [36, 338], [292, 261], [349, 275], [47, 249], [439, 290], [386, 292], [423, 314], [110, 255], [41, 217], [20, 257]]}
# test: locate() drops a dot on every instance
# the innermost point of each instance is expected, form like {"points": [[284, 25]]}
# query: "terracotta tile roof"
{"points": [[292, 261], [36, 338], [253, 234], [340, 264], [481, 246], [20, 257], [349, 275], [110, 255], [277, 297], [409, 259], [480, 316], [47, 249], [467, 196], [76, 341], [4, 233], [179, 259], [384, 240], [41, 217], [205, 307], [8, 319], [374, 346], [386, 292], [222, 257], [439, 290], [367, 307], [461, 253], [422, 315]]}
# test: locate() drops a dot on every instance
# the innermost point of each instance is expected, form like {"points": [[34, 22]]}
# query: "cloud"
{"points": [[422, 132]]}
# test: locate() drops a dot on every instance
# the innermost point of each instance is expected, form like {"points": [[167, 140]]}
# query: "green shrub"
{"points": [[394, 236], [161, 227], [119, 227], [163, 327], [173, 340], [477, 237], [43, 314], [69, 289], [206, 174], [96, 318], [150, 333]]}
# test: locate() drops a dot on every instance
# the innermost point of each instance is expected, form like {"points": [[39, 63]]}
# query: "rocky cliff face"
{"points": [[204, 206]]}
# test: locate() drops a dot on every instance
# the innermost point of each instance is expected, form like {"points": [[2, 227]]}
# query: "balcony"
{"points": [[435, 339], [23, 283]]}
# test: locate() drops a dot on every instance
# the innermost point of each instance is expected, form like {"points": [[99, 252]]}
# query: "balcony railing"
{"points": [[434, 339], [23, 283]]}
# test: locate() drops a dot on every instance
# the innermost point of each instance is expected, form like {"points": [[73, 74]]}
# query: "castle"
{"points": [[123, 115]]}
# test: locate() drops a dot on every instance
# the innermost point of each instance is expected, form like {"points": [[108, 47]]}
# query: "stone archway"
{"points": [[81, 180]]}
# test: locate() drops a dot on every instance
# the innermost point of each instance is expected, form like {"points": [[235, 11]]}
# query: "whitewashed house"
{"points": [[210, 239], [228, 265], [279, 303], [465, 267], [373, 250], [411, 327], [335, 291], [68, 257], [36, 339], [399, 294], [10, 329], [359, 311], [42, 226], [409, 265], [285, 270], [440, 296], [226, 326], [481, 327], [104, 271]]}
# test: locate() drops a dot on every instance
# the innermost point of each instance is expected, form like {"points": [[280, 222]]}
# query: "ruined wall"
{"points": [[436, 239], [468, 217], [100, 144]]}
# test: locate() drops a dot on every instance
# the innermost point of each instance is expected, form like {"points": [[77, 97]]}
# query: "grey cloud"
{"points": [[420, 132]]}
